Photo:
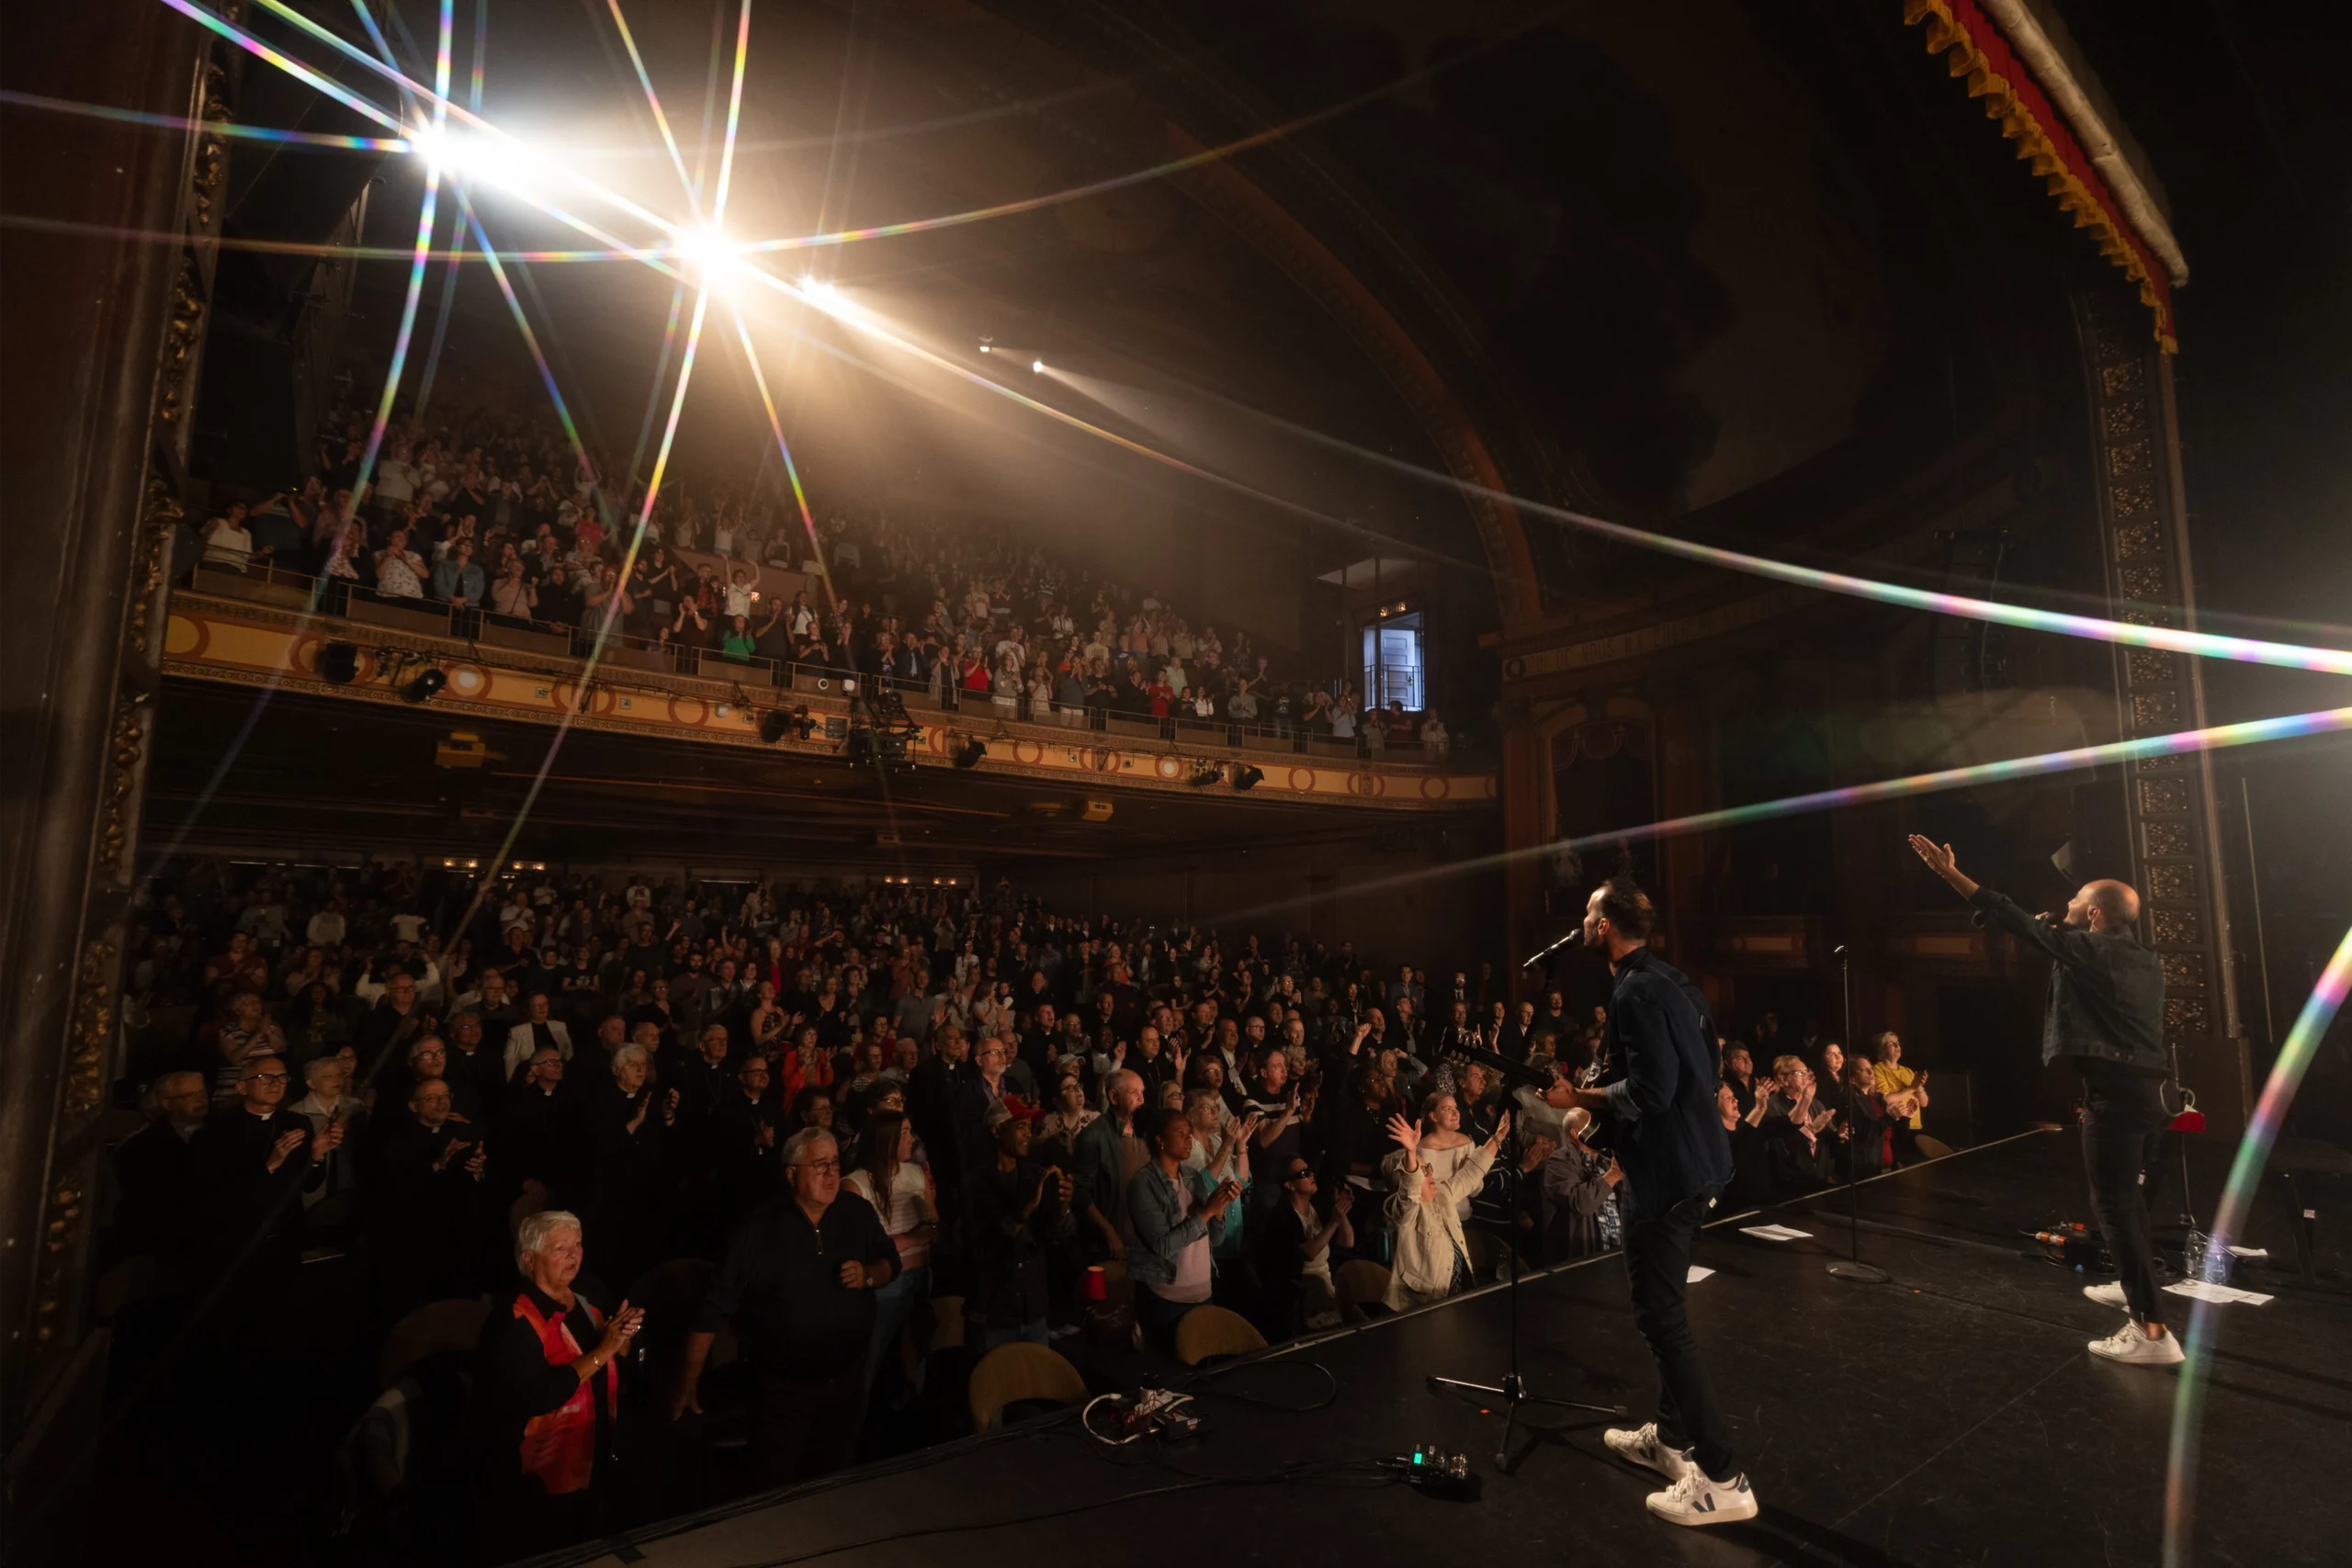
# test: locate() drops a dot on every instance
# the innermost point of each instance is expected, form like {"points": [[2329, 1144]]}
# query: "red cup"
{"points": [[1098, 1285]]}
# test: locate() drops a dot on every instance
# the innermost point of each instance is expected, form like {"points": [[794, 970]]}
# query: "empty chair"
{"points": [[431, 1329], [1357, 1284], [1209, 1333], [1010, 1373]]}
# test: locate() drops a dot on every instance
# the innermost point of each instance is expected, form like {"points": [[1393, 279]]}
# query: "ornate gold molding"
{"points": [[180, 340]]}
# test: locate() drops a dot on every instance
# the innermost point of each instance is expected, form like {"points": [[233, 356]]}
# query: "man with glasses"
{"points": [[798, 1286], [250, 1157]]}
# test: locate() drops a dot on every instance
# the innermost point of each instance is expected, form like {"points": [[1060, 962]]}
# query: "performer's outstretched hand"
{"points": [[1944, 863]]}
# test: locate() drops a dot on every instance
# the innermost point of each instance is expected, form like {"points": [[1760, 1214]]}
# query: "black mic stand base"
{"points": [[1861, 1273], [1510, 1393]]}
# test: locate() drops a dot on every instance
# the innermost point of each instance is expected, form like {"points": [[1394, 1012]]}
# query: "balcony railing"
{"points": [[343, 599]]}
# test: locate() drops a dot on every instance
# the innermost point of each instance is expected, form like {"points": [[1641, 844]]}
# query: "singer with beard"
{"points": [[1655, 1101], [2106, 1014]]}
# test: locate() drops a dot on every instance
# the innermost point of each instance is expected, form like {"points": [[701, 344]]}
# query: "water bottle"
{"points": [[2193, 1248]]}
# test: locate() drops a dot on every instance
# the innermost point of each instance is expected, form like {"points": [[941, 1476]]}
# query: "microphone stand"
{"points": [[1512, 1392], [1852, 1266]]}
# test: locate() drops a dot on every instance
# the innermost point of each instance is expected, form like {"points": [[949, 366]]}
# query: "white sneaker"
{"points": [[2108, 1295], [1695, 1500], [2129, 1344], [1639, 1445]]}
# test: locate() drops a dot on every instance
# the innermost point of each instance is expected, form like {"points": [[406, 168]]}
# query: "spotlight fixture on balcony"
{"points": [[1245, 776], [1206, 774], [970, 754], [339, 663], [777, 723], [425, 687]]}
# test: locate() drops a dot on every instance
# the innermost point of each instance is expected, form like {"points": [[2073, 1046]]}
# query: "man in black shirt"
{"points": [[798, 1285], [2106, 1014]]}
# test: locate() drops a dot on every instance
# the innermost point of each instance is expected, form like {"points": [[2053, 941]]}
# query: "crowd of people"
{"points": [[845, 1103], [497, 521]]}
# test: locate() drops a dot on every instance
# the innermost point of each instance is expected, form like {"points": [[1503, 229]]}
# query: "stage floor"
{"points": [[1951, 1416]]}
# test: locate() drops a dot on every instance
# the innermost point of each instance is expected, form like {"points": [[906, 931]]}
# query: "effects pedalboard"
{"points": [[1159, 1410], [1436, 1474]]}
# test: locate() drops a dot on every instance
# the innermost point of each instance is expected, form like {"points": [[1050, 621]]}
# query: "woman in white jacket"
{"points": [[1431, 1257]]}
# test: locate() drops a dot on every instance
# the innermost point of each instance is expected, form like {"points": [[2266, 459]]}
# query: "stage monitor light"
{"points": [[425, 688], [339, 663], [1245, 776]]}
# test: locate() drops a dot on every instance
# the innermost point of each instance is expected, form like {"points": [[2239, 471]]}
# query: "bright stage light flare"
{"points": [[715, 260], [1037, 366]]}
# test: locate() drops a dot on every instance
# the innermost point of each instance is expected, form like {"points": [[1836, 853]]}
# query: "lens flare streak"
{"points": [[2295, 1057]]}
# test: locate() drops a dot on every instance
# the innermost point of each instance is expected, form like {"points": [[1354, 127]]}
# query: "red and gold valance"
{"points": [[1974, 48]]}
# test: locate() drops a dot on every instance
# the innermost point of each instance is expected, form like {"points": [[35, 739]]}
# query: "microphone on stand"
{"points": [[1570, 939]]}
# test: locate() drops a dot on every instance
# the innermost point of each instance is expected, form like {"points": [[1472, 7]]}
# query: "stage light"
{"points": [[777, 723], [715, 259], [1243, 777], [987, 344], [1207, 774], [968, 755], [425, 688], [1037, 365], [339, 663]]}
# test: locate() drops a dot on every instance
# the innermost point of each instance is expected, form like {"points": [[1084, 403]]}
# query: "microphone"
{"points": [[1574, 937], [1838, 951]]}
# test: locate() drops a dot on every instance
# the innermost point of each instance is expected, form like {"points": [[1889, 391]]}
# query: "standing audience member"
{"points": [[798, 1285], [545, 1408]]}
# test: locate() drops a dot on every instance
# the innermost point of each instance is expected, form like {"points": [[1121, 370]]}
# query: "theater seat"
{"points": [[1211, 1333], [1359, 1284], [1010, 1373], [454, 1324]]}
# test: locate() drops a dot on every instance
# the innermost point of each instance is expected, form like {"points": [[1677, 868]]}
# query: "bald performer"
{"points": [[2105, 1014]]}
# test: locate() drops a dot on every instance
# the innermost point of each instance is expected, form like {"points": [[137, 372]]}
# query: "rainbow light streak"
{"points": [[654, 482], [734, 116], [2320, 721], [2204, 645], [293, 67], [652, 99], [2295, 1057], [759, 378], [305, 248], [530, 338], [2218, 738], [443, 106], [426, 212], [227, 127]]}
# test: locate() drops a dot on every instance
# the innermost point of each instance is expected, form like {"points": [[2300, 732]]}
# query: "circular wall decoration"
{"points": [[1029, 751], [469, 680], [1437, 787], [1514, 669], [186, 638], [1494, 786], [1168, 767], [688, 710], [1367, 784], [1302, 779]]}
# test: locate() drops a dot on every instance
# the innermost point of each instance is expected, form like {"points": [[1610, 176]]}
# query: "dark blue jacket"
{"points": [[1659, 1073], [2107, 991]]}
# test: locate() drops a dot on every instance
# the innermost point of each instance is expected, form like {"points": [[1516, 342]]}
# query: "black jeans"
{"points": [[2123, 1116], [1658, 1265]]}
